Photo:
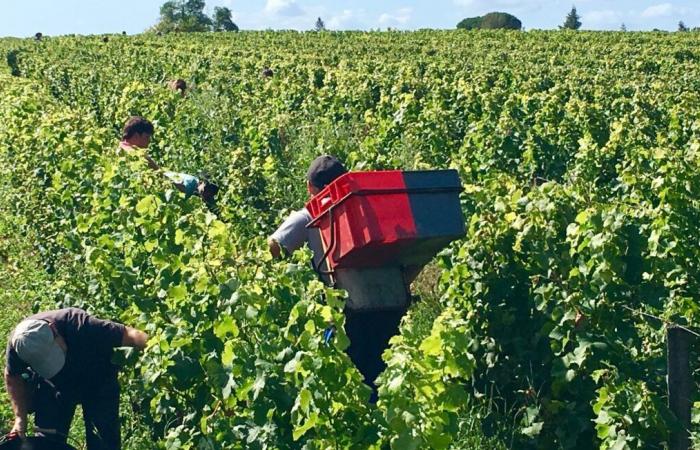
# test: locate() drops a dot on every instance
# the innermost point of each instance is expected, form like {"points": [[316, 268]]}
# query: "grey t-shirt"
{"points": [[293, 234]]}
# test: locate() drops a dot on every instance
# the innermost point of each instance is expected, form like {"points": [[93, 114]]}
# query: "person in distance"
{"points": [[369, 331], [56, 360], [179, 86], [136, 138]]}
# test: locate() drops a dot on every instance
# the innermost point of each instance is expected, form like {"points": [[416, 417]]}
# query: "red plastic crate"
{"points": [[381, 218]]}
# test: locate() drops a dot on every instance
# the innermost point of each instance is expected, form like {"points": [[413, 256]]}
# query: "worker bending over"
{"points": [[56, 360]]}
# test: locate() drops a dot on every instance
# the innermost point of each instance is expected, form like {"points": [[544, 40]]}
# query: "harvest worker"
{"points": [[178, 85], [57, 360], [369, 331], [136, 137]]}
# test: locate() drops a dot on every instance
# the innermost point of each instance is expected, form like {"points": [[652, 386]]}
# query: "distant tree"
{"points": [[623, 27], [320, 26], [195, 10], [681, 27], [182, 16], [491, 21], [470, 23], [223, 20], [170, 12], [573, 20], [499, 20]]}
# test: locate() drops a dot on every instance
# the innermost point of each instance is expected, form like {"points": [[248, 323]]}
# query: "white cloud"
{"points": [[288, 8], [660, 10], [399, 17], [297, 15], [602, 18], [342, 19]]}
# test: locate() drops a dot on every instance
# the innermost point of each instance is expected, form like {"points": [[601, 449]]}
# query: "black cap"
{"points": [[323, 170]]}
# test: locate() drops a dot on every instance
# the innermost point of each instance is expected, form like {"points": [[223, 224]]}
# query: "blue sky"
{"points": [[53, 17]]}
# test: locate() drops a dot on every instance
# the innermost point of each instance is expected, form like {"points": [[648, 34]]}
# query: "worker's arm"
{"points": [[18, 391], [291, 235], [180, 187], [151, 163], [105, 333], [134, 338]]}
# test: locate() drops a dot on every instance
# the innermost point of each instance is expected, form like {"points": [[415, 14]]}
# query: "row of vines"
{"points": [[580, 157]]}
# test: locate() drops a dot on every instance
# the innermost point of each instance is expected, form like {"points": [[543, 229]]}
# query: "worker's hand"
{"points": [[20, 427], [275, 248], [134, 338]]}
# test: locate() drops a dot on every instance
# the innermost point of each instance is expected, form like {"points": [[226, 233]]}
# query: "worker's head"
{"points": [[178, 85], [138, 132], [207, 190], [322, 171], [38, 343]]}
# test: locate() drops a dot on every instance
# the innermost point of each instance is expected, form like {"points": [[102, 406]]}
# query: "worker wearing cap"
{"points": [[369, 331], [293, 234], [56, 360]]}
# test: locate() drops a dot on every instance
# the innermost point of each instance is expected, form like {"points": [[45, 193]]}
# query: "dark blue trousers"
{"points": [[369, 333], [53, 411]]}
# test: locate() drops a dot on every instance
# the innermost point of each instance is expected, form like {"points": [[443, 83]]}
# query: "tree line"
{"points": [[189, 16], [501, 20]]}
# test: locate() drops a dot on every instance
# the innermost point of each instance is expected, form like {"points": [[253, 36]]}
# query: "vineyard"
{"points": [[580, 157]]}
